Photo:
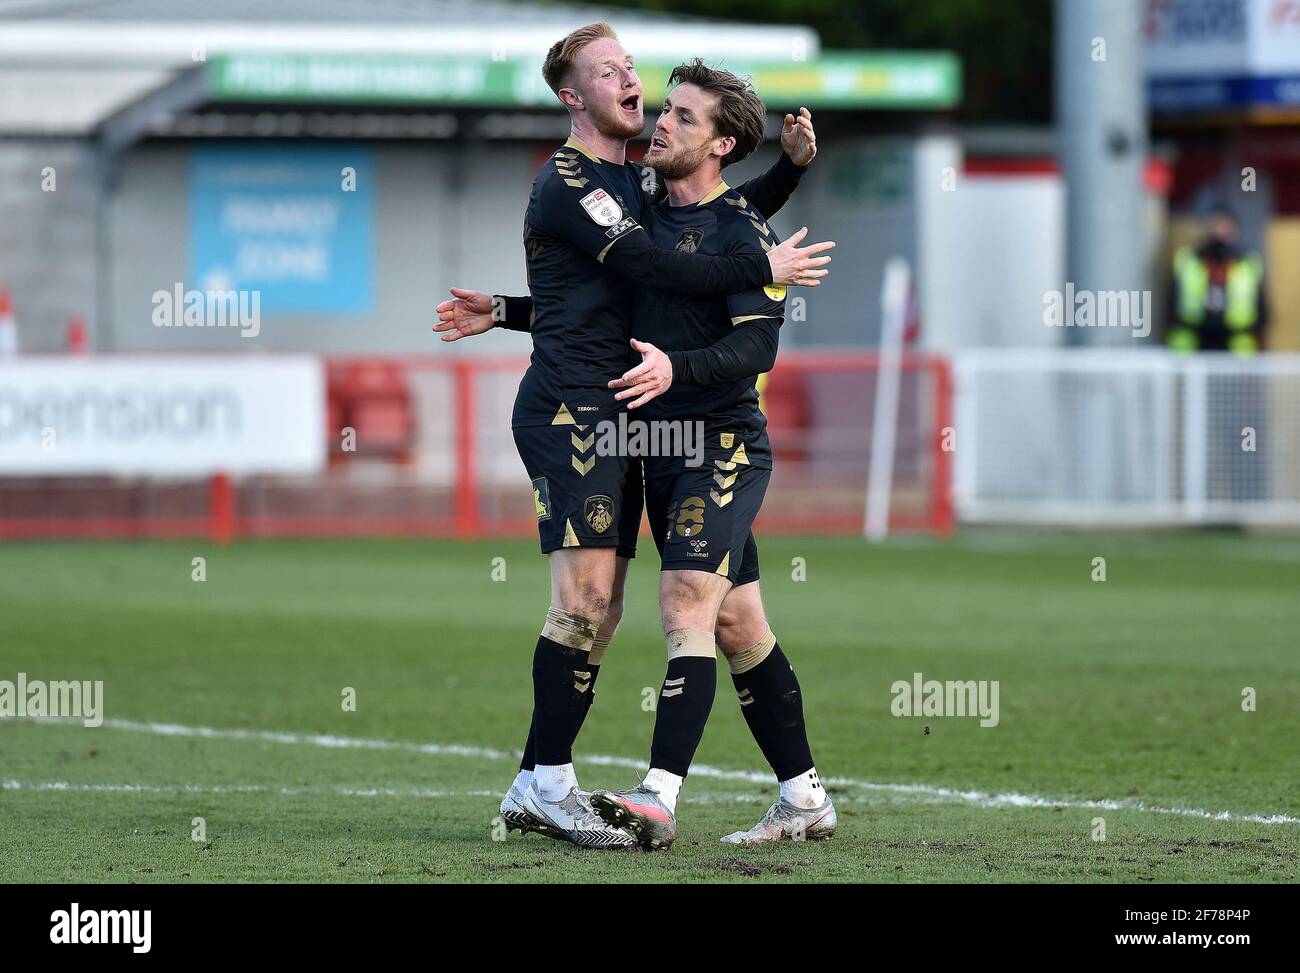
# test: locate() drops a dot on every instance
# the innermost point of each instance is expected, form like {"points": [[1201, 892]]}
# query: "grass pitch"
{"points": [[1119, 700]]}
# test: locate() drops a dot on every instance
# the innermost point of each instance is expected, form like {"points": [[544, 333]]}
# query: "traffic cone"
{"points": [[8, 326], [77, 344]]}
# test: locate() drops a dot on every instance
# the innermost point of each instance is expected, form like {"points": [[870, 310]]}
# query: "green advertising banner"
{"points": [[837, 79]]}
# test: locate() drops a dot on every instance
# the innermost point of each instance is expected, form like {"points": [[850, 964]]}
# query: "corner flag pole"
{"points": [[884, 419]]}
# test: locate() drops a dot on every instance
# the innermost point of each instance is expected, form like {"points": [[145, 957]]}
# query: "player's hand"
{"points": [[798, 266], [798, 138], [467, 313], [651, 378]]}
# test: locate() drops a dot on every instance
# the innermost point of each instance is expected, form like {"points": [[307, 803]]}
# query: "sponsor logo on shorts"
{"points": [[598, 511], [541, 499]]}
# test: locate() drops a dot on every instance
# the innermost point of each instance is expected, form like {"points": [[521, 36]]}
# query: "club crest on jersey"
{"points": [[598, 511], [689, 241], [601, 207]]}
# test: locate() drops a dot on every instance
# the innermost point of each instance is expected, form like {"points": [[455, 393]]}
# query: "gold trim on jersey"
{"points": [[755, 219], [741, 319], [600, 257], [563, 417], [722, 187], [573, 143]]}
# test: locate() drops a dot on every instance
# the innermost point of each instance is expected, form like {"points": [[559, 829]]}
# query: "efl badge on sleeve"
{"points": [[600, 206]]}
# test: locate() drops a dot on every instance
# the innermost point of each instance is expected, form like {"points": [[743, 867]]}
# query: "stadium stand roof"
{"points": [[65, 65]]}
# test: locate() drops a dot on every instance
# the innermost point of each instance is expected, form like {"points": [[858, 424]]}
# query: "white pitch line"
{"points": [[63, 785], [423, 793], [927, 793]]}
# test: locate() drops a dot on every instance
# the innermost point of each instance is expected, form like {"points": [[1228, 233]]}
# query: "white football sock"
{"points": [[668, 785], [522, 780], [554, 783], [804, 791]]}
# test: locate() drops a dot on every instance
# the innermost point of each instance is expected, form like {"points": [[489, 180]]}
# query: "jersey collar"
{"points": [[573, 143], [721, 188]]}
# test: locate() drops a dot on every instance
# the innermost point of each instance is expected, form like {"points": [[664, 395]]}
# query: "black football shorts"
{"points": [[701, 518], [580, 499]]}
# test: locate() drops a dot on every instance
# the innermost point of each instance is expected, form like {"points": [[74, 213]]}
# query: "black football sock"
{"points": [[562, 680], [684, 700], [772, 705], [599, 644]]}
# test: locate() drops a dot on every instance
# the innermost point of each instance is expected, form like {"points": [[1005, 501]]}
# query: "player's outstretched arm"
{"points": [[772, 190], [695, 273], [474, 312], [595, 224]]}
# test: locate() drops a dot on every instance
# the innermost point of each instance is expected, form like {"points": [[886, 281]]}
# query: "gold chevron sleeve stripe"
{"points": [[721, 499], [725, 482], [750, 317], [582, 468], [582, 445], [577, 183]]}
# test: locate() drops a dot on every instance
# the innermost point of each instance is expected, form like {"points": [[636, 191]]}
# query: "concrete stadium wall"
{"points": [[47, 238]]}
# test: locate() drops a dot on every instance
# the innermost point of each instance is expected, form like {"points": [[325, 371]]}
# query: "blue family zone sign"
{"points": [[295, 224]]}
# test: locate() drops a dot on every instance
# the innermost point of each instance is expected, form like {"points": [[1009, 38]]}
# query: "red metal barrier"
{"points": [[454, 475]]}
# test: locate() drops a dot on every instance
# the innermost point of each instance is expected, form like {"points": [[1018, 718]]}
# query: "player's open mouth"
{"points": [[657, 144], [632, 103]]}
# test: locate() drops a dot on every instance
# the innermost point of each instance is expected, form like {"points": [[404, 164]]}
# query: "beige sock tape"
{"points": [[569, 629], [689, 642], [746, 659], [598, 646]]}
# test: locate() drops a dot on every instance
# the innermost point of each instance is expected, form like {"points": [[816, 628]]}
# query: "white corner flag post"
{"points": [[884, 418]]}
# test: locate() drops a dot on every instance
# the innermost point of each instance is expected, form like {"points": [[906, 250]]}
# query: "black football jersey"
{"points": [[724, 222]]}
